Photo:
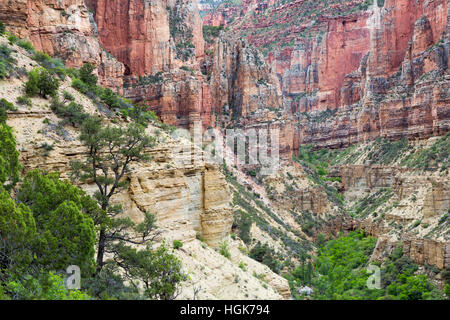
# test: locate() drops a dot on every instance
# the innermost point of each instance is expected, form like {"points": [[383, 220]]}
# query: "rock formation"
{"points": [[63, 29], [369, 70]]}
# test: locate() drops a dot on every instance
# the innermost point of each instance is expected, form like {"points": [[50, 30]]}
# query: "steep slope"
{"points": [[191, 200]]}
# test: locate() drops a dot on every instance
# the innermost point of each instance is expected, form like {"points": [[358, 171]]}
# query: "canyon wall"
{"points": [[161, 45], [64, 29], [414, 215], [368, 70]]}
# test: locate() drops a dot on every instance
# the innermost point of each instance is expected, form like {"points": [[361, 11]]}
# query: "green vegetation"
{"points": [[210, 33], [49, 224], [316, 164], [266, 255], [7, 62], [243, 221], [9, 156], [340, 272], [42, 83], [224, 250], [177, 244], [432, 158], [110, 151], [384, 151], [62, 216], [25, 101], [369, 204], [72, 113]]}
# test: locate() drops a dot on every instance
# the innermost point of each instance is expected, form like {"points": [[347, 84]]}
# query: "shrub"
{"points": [[265, 255], [87, 76], [41, 82], [139, 114], [25, 101], [6, 61], [2, 28], [124, 113], [244, 222], [242, 266], [177, 244], [110, 98], [12, 39], [68, 96], [72, 113], [4, 107], [26, 45], [79, 85], [224, 250], [31, 86]]}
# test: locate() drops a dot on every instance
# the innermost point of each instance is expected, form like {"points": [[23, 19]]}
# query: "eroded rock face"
{"points": [[369, 71], [189, 201], [241, 81], [401, 87], [412, 215], [63, 29], [245, 92], [421, 251], [161, 45]]}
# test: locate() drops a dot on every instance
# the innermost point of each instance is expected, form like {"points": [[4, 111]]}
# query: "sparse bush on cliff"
{"points": [[210, 33], [87, 75], [244, 222], [2, 28], [266, 255], [25, 101], [41, 82], [72, 113], [157, 271], [7, 62], [9, 156], [26, 45], [177, 244], [224, 250]]}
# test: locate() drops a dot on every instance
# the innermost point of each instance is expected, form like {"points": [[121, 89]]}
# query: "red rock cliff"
{"points": [[367, 70], [161, 45], [63, 29]]}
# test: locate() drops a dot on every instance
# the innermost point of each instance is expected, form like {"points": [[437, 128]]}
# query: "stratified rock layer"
{"points": [[63, 29], [367, 70]]}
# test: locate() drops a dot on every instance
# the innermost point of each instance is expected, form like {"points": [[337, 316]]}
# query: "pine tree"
{"points": [[110, 151]]}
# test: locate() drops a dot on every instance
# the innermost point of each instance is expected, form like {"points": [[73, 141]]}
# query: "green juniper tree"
{"points": [[158, 271], [87, 75], [110, 151], [62, 212], [9, 156], [41, 82]]}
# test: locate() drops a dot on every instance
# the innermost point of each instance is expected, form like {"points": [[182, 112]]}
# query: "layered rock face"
{"points": [[63, 29], [368, 70], [144, 35], [421, 251], [416, 198], [241, 80], [161, 45], [246, 93]]}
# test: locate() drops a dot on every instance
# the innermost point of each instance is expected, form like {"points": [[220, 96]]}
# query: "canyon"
{"points": [[336, 75]]}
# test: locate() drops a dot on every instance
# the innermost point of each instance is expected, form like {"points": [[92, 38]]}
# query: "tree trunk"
{"points": [[101, 249]]}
